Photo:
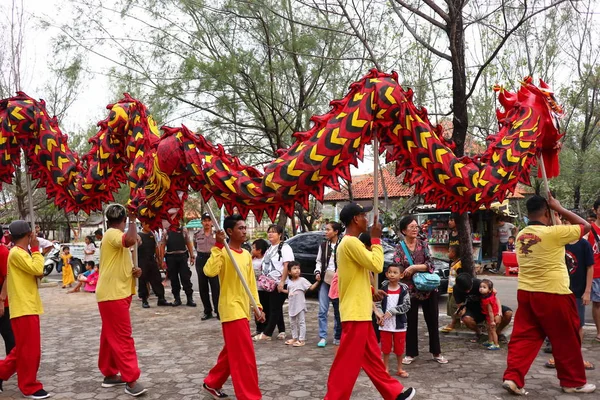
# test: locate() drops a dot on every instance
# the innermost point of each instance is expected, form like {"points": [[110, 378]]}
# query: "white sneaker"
{"points": [[587, 388], [512, 388], [336, 342]]}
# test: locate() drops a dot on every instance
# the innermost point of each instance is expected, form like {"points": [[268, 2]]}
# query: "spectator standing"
{"points": [[117, 358], [205, 240], [148, 254], [90, 249], [594, 239], [177, 248], [26, 307], [275, 266], [455, 270], [547, 307], [5, 327], [505, 230], [421, 262], [452, 231], [259, 248], [358, 348], [325, 269]]}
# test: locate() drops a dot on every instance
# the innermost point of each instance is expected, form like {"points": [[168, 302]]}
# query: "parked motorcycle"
{"points": [[53, 260]]}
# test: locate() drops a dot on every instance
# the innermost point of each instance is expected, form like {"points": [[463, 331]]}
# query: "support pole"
{"points": [[546, 186], [237, 268], [376, 190]]}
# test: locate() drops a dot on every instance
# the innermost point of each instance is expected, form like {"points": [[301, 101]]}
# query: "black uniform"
{"points": [[176, 255], [148, 264]]}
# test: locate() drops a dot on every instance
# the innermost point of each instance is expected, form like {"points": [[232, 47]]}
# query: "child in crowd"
{"points": [[455, 269], [391, 316], [510, 245], [489, 308], [259, 248], [92, 279], [296, 290], [67, 271], [82, 279]]}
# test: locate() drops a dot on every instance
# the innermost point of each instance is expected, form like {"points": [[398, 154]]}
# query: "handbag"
{"points": [[328, 277], [423, 281], [266, 283]]}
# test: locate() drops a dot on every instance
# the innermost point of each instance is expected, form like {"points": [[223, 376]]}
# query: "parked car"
{"points": [[306, 247]]}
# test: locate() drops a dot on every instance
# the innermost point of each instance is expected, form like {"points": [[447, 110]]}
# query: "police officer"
{"points": [[177, 248], [148, 253], [205, 240]]}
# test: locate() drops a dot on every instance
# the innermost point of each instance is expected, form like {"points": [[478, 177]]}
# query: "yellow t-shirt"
{"points": [[234, 303], [115, 281], [354, 264], [541, 257], [452, 275], [22, 288]]}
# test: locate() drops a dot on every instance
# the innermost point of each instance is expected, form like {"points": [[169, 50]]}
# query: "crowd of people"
{"points": [[370, 319]]}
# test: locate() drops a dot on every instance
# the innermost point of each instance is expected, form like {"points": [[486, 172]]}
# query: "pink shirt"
{"points": [[92, 281], [334, 292]]}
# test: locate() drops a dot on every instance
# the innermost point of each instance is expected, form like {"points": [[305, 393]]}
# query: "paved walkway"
{"points": [[176, 350]]}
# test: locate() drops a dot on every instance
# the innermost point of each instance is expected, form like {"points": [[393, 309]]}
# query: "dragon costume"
{"points": [[160, 169]]}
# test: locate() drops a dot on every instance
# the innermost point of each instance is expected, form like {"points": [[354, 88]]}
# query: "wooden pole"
{"points": [[376, 190], [546, 186], [237, 268]]}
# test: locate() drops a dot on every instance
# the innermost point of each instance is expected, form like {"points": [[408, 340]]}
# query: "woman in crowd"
{"points": [[325, 268], [275, 267], [90, 249], [418, 260]]}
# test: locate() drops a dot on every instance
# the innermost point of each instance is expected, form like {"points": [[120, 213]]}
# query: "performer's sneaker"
{"points": [[587, 388], [136, 390], [40, 394], [408, 394], [215, 393], [112, 381], [511, 387], [145, 304]]}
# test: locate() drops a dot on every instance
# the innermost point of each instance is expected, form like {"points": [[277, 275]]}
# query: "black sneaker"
{"points": [[112, 381], [177, 303], [215, 393], [145, 304], [40, 394], [136, 390], [190, 303], [408, 394], [206, 316], [163, 303]]}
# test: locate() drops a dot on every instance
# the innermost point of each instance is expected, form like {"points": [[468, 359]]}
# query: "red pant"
{"points": [[399, 339], [358, 349], [25, 358], [241, 365], [542, 315], [117, 349]]}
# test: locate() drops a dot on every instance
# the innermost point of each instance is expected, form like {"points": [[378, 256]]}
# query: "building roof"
{"points": [[362, 188]]}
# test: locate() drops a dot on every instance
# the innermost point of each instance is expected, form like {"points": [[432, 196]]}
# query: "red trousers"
{"points": [[117, 349], [541, 315], [25, 358], [398, 338], [238, 360], [358, 349]]}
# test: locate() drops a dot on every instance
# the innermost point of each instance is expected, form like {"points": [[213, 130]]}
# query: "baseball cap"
{"points": [[206, 216], [351, 210], [19, 227]]}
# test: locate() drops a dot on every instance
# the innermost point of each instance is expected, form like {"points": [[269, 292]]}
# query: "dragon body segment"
{"points": [[160, 169]]}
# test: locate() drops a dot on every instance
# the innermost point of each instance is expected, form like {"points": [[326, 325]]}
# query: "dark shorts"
{"points": [[478, 316]]}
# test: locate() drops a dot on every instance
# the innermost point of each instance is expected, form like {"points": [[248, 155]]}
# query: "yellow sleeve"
{"points": [[33, 265], [215, 263], [565, 234], [251, 279], [371, 260], [115, 239]]}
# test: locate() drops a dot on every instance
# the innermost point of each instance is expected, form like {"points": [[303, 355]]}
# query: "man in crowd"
{"points": [[205, 240], [547, 307], [505, 230], [594, 239], [453, 231], [177, 247], [148, 254]]}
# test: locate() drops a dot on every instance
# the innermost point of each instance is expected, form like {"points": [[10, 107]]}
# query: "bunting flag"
{"points": [[160, 169]]}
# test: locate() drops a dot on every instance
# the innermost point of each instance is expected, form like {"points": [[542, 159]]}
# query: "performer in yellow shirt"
{"points": [[25, 309], [117, 358], [358, 348], [237, 357]]}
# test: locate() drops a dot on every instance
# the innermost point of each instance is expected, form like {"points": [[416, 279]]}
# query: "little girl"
{"points": [[489, 308], [296, 289], [391, 316], [67, 271], [259, 248]]}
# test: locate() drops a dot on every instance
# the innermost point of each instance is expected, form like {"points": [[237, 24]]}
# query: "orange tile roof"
{"points": [[362, 188]]}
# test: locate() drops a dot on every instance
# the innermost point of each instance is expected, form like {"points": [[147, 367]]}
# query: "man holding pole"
{"points": [[237, 357], [358, 348]]}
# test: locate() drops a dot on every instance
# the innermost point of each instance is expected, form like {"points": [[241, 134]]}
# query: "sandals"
{"points": [[588, 365], [408, 360], [299, 343], [440, 359], [261, 337], [290, 341], [402, 374], [447, 329], [281, 336]]}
